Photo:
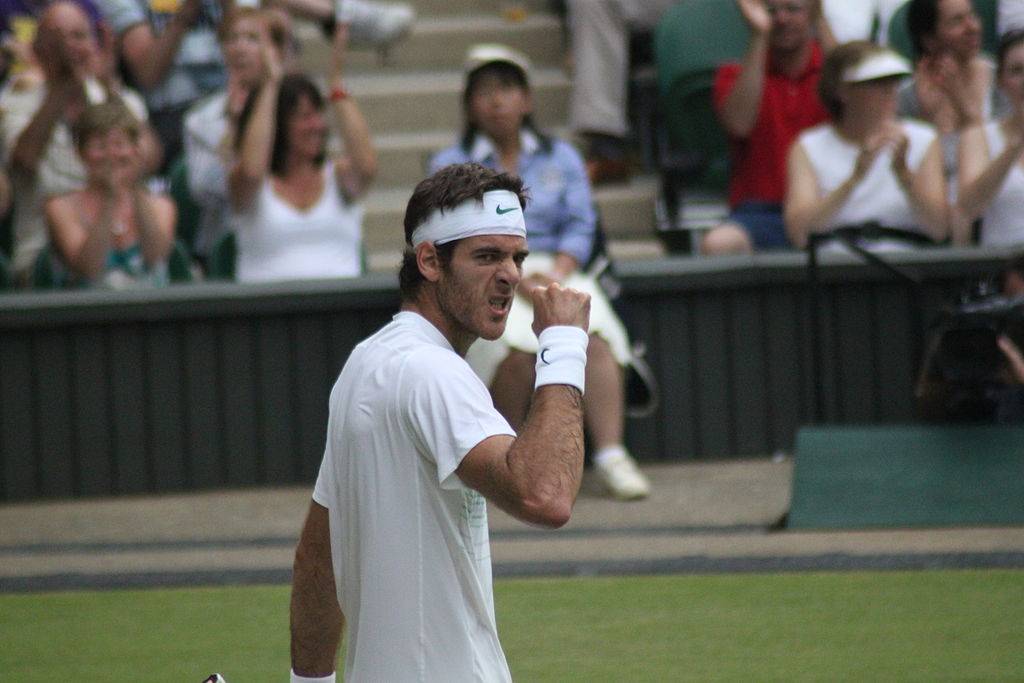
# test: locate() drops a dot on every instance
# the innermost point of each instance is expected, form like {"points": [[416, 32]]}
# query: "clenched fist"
{"points": [[557, 305]]}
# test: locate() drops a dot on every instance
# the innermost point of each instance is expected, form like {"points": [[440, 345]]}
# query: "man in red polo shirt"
{"points": [[763, 103]]}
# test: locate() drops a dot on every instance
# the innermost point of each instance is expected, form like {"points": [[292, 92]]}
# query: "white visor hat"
{"points": [[498, 213], [881, 64]]}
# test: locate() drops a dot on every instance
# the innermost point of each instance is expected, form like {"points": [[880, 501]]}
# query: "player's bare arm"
{"points": [[316, 618], [536, 477]]}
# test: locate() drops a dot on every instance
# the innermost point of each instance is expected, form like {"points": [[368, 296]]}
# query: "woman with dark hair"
{"points": [[866, 164], [561, 229], [295, 210], [953, 85], [992, 159]]}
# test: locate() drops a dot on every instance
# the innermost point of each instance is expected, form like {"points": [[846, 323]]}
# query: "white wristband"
{"points": [[562, 356], [296, 678]]}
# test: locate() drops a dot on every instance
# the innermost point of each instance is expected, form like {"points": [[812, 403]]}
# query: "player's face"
{"points": [[476, 289]]}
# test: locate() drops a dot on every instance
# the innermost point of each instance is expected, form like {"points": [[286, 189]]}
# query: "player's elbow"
{"points": [[547, 511]]}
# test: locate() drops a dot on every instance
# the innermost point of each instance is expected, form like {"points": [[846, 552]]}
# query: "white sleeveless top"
{"points": [[1003, 220], [878, 196], [277, 241]]}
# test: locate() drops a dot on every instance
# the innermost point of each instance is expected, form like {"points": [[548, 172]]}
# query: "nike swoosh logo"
{"points": [[502, 211]]}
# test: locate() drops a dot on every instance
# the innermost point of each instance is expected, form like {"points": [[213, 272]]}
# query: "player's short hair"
{"points": [[445, 189]]}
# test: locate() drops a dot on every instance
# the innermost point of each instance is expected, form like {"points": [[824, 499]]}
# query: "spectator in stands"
{"points": [[19, 20], [763, 103], [865, 165], [170, 52], [113, 232], [991, 159], [561, 226], [954, 84], [296, 210], [210, 125], [599, 35], [38, 116]]}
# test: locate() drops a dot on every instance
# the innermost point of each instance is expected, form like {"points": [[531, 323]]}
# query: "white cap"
{"points": [[879, 64], [482, 54]]}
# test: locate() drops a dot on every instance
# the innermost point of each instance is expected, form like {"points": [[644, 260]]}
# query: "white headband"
{"points": [[498, 214]]}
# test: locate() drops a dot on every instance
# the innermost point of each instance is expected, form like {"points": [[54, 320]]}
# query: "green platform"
{"points": [[907, 475]]}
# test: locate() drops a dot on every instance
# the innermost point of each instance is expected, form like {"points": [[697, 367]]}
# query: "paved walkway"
{"points": [[700, 518]]}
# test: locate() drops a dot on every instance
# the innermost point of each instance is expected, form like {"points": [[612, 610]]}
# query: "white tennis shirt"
{"points": [[409, 541]]}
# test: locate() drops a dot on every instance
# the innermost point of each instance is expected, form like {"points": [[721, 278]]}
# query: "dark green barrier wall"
{"points": [[203, 386]]}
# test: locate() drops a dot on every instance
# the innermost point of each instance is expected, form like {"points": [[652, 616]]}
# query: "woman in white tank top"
{"points": [[865, 165], [992, 159], [295, 211]]}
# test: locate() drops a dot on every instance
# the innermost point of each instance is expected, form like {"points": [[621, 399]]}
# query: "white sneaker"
{"points": [[375, 23], [622, 477]]}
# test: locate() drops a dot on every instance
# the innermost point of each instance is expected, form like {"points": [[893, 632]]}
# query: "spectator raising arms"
{"points": [[78, 69], [992, 159], [170, 52], [866, 165], [763, 103], [296, 210], [113, 232], [211, 125]]}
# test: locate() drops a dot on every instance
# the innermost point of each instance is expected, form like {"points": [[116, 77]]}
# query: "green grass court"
{"points": [[871, 626]]}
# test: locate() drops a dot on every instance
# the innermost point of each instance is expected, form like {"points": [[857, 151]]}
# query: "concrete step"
{"points": [[627, 213], [440, 43], [405, 157], [416, 102]]}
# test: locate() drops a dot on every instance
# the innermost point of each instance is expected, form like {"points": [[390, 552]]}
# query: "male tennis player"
{"points": [[395, 543]]}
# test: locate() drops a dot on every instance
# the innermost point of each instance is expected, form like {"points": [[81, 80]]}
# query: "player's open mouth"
{"points": [[499, 304]]}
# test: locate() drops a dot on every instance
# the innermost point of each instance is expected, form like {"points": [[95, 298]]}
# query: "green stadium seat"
{"points": [[6, 280], [691, 41], [221, 263], [7, 233], [179, 263], [189, 211], [899, 36], [44, 274]]}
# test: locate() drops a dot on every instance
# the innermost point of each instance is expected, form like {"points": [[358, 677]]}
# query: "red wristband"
{"points": [[338, 94]]}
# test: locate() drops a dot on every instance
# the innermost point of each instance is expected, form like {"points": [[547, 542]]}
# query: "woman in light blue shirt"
{"points": [[561, 230]]}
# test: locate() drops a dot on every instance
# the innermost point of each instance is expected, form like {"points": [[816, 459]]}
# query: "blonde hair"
{"points": [[102, 118]]}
